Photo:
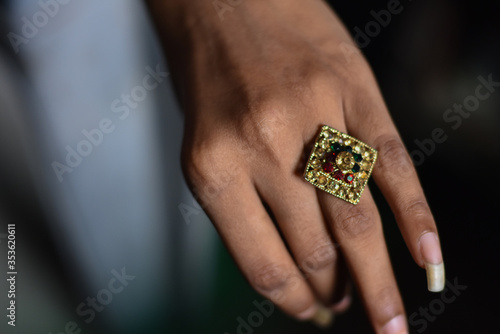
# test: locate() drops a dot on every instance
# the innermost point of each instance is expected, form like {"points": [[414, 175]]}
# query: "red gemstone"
{"points": [[327, 167], [338, 175], [331, 157], [349, 178]]}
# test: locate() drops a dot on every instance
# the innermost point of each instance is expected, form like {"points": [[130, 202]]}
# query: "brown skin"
{"points": [[255, 89]]}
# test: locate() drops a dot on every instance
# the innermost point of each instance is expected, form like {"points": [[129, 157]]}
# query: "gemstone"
{"points": [[335, 147], [357, 157], [315, 163], [322, 179], [333, 186], [310, 174], [345, 161], [350, 195], [356, 168], [366, 165], [368, 155], [328, 167], [349, 178], [348, 149], [331, 157], [320, 152], [347, 142], [364, 175], [338, 175]]}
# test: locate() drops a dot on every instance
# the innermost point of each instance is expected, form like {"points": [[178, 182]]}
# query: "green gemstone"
{"points": [[335, 147], [357, 157], [356, 168]]}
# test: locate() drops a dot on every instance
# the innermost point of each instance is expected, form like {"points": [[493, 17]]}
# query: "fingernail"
{"points": [[342, 305], [308, 314], [435, 277], [396, 325], [431, 254], [323, 317]]}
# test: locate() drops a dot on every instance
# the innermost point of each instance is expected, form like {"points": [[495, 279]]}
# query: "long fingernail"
{"points": [[396, 325], [431, 254], [323, 317]]}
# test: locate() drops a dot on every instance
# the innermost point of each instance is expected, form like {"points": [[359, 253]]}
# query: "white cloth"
{"points": [[119, 207]]}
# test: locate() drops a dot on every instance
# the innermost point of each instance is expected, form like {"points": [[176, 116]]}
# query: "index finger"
{"points": [[397, 178]]}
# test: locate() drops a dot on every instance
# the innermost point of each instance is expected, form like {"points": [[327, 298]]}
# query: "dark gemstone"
{"points": [[328, 167], [335, 147], [357, 157], [331, 157], [356, 168], [338, 175], [349, 178], [348, 149]]}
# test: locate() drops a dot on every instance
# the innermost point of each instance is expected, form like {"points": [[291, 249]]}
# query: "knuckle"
{"points": [[269, 278], [416, 207], [192, 172], [200, 160], [196, 174], [195, 160], [204, 169], [264, 128], [355, 223], [321, 256], [392, 154], [264, 119], [387, 296]]}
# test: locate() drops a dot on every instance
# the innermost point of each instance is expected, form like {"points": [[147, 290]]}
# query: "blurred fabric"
{"points": [[118, 208], [125, 205]]}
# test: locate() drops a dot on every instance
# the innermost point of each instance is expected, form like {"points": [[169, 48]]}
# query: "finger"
{"points": [[398, 181], [257, 247], [345, 302], [343, 292], [358, 230], [301, 222]]}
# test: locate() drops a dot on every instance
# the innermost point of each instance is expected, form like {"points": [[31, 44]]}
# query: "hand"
{"points": [[255, 89]]}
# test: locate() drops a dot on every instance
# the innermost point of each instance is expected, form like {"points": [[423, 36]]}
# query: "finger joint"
{"points": [[355, 223], [321, 256], [393, 156], [269, 278], [416, 207]]}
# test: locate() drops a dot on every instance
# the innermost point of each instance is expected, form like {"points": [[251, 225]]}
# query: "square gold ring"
{"points": [[340, 164]]}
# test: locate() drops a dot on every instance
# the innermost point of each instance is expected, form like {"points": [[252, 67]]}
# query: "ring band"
{"points": [[340, 164]]}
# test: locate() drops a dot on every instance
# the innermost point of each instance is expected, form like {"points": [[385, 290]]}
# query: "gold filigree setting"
{"points": [[340, 164]]}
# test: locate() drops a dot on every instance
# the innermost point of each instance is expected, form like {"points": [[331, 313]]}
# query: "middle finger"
{"points": [[300, 219]]}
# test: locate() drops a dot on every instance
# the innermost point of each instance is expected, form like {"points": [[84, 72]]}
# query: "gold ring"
{"points": [[340, 164]]}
